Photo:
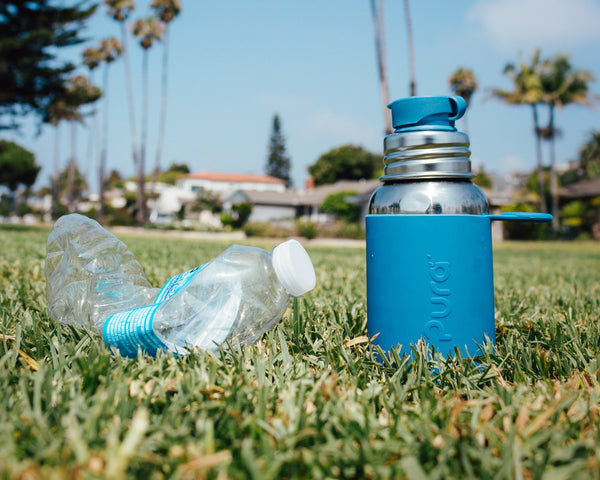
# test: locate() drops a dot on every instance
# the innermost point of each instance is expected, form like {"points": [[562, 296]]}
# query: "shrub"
{"points": [[266, 230], [523, 230], [338, 205], [242, 212], [307, 230], [345, 229]]}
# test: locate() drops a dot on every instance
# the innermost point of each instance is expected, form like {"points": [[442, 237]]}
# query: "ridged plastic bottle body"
{"points": [[90, 274], [236, 296]]}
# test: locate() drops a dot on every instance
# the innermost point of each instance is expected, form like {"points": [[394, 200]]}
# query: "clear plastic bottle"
{"points": [[94, 281], [238, 295]]}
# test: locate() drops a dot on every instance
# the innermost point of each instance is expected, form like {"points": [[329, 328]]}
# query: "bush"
{"points": [[338, 205], [524, 230], [242, 212], [342, 229], [226, 220], [307, 230], [266, 230], [122, 217], [349, 230]]}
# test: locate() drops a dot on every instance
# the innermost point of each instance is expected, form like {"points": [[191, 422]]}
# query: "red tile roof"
{"points": [[234, 177]]}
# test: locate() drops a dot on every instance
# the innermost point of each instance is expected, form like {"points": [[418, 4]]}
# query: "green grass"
{"points": [[310, 399]]}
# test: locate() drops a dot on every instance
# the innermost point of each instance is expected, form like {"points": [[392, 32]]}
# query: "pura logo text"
{"points": [[440, 301]]}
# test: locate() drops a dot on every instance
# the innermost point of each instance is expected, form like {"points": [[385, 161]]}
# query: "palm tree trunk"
{"points": [[103, 151], [93, 134], [130, 104], [71, 171], [380, 50], [55, 185], [163, 109], [411, 49], [540, 166], [553, 174], [141, 194]]}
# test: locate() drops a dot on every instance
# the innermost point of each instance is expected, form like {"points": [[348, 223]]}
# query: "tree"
{"points": [[147, 31], [166, 11], [17, 166], [338, 205], [175, 171], [207, 200], [483, 179], [120, 10], [31, 33], [589, 157], [378, 17], [562, 86], [107, 52], [72, 183], [115, 180], [528, 90], [464, 83], [348, 162], [278, 162], [78, 92]]}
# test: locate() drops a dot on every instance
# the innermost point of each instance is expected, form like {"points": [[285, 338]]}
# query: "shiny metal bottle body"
{"points": [[428, 172]]}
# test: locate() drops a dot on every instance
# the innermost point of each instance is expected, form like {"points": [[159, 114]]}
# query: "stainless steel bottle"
{"points": [[429, 249]]}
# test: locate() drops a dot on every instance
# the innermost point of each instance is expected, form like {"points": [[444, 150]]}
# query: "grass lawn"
{"points": [[310, 399]]}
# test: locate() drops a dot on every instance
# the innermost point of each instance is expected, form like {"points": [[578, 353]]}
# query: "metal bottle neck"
{"points": [[421, 154]]}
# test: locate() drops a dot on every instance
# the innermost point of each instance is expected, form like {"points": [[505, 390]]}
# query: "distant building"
{"points": [[220, 182], [305, 205], [170, 198]]}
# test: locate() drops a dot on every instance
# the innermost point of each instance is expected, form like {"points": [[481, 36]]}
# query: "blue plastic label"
{"points": [[132, 329], [175, 283], [430, 277]]}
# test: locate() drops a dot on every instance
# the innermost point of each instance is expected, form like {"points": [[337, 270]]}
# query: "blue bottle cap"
{"points": [[427, 113]]}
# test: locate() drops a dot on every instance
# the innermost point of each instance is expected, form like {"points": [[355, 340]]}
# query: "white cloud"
{"points": [[528, 24]]}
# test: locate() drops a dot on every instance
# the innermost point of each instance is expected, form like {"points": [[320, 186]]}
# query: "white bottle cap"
{"points": [[293, 267]]}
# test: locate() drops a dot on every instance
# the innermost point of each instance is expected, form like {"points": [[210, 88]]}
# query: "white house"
{"points": [[268, 206], [227, 183], [171, 198]]}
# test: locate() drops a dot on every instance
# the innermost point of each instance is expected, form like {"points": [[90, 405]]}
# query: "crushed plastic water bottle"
{"points": [[94, 281], [91, 274]]}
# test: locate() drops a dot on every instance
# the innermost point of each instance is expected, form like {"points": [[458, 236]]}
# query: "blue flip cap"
{"points": [[427, 113]]}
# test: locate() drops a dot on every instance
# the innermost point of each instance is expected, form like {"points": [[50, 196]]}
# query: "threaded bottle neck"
{"points": [[420, 154]]}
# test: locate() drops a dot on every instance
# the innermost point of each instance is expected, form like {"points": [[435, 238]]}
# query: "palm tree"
{"points": [[562, 86], [463, 83], [120, 10], [527, 91], [57, 111], [109, 50], [589, 157], [147, 32], [92, 58], [378, 18], [79, 91], [166, 11]]}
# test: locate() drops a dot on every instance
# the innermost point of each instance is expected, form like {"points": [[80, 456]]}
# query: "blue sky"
{"points": [[235, 63]]}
